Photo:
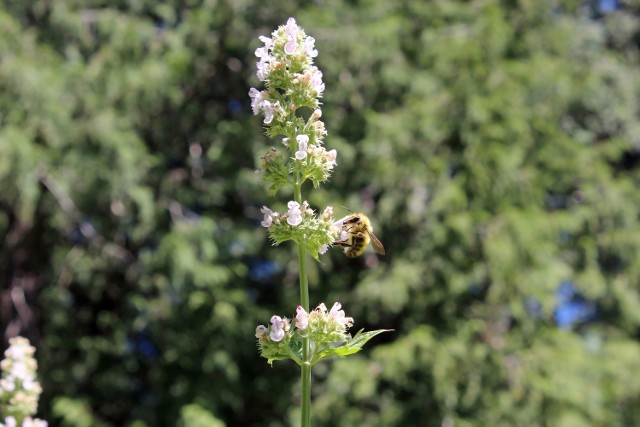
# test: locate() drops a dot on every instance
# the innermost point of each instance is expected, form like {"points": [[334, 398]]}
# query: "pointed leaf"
{"points": [[352, 346]]}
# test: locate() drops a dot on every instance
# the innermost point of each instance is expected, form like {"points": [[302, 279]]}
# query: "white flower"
{"points": [[257, 98], [16, 351], [303, 140], [294, 215], [315, 78], [269, 215], [331, 157], [262, 53], [322, 308], [328, 214], [291, 30], [291, 46], [265, 58], [20, 371], [263, 69], [319, 128], [277, 329], [301, 154], [19, 347], [7, 385], [270, 110], [302, 318], [267, 44], [19, 383], [29, 385], [306, 208], [339, 315], [33, 422], [285, 141], [323, 249], [309, 47]]}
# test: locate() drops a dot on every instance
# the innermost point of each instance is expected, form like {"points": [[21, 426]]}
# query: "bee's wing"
{"points": [[340, 222], [377, 244]]}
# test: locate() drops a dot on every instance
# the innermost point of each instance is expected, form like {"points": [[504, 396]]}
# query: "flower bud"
{"points": [[261, 331]]}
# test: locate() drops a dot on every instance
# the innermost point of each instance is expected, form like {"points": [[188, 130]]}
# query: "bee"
{"points": [[356, 234]]}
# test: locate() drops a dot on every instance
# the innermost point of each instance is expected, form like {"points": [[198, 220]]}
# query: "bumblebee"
{"points": [[356, 235]]}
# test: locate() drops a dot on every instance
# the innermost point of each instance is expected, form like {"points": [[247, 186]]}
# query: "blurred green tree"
{"points": [[495, 145], [127, 155], [499, 143]]}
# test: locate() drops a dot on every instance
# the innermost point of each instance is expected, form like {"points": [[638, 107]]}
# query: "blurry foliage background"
{"points": [[495, 145]]}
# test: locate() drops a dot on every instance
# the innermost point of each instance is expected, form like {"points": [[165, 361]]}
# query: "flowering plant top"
{"points": [[327, 330], [292, 82], [19, 388]]}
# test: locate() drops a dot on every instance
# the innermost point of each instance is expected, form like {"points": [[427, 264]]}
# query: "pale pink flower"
{"points": [[339, 315], [277, 329], [267, 41], [303, 140], [302, 318], [328, 213], [291, 29], [269, 215], [262, 53], [331, 157], [315, 77], [33, 422], [291, 46], [309, 47], [263, 69], [294, 215], [270, 110], [257, 98]]}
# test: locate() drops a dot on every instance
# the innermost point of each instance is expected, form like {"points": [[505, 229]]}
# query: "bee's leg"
{"points": [[350, 242], [345, 243]]}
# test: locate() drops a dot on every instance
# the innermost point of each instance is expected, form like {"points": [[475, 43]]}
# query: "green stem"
{"points": [[302, 257], [304, 302]]}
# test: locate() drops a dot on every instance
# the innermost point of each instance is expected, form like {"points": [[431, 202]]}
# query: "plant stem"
{"points": [[304, 302], [306, 363]]}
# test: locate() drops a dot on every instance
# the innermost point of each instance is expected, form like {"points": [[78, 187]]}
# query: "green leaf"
{"points": [[352, 346], [275, 173]]}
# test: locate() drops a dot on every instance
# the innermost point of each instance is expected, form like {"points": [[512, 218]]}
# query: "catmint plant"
{"points": [[293, 86], [19, 388]]}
